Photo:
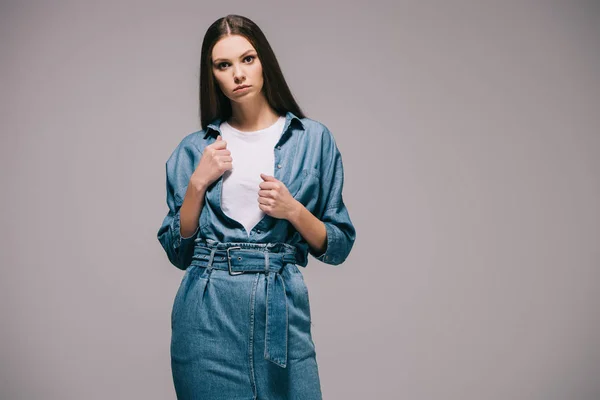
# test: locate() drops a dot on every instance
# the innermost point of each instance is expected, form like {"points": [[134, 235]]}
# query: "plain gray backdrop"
{"points": [[470, 136]]}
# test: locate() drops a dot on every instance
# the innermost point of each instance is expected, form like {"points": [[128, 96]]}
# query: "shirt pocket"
{"points": [[306, 189]]}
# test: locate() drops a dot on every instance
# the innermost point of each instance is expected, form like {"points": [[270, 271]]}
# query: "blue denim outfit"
{"points": [[241, 317]]}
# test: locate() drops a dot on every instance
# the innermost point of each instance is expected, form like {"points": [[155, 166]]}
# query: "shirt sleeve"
{"points": [[341, 233], [179, 168]]}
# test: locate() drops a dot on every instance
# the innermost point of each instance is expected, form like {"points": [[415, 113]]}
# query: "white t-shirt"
{"points": [[253, 154]]}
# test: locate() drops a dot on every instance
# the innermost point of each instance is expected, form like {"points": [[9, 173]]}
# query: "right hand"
{"points": [[215, 160]]}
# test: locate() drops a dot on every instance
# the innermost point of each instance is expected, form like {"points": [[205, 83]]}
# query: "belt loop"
{"points": [[210, 259], [267, 262]]}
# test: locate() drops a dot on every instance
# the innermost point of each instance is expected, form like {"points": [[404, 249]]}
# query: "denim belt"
{"points": [[267, 258]]}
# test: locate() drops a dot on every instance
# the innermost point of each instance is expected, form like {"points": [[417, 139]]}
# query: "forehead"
{"points": [[231, 47]]}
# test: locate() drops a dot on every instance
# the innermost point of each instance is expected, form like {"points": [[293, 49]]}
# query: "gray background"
{"points": [[470, 136]]}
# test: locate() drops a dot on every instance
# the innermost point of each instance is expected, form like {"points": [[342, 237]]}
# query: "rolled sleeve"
{"points": [[341, 233]]}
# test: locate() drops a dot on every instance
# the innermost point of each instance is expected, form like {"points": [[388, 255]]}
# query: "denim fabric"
{"points": [[227, 330], [248, 335], [307, 161]]}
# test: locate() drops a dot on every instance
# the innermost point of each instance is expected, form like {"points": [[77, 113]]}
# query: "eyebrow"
{"points": [[224, 59]]}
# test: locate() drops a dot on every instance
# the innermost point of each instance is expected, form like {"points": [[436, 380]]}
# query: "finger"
{"points": [[268, 185], [219, 144], [222, 152], [265, 193], [267, 177], [225, 159], [262, 200]]}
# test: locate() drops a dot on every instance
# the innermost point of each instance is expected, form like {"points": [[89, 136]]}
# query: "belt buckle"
{"points": [[229, 261]]}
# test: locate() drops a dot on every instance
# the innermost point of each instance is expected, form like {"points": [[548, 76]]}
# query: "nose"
{"points": [[238, 75]]}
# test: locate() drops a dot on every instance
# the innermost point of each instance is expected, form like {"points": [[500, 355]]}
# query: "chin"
{"points": [[248, 97]]}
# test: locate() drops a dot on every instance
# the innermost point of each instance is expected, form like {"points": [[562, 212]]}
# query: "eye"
{"points": [[222, 65]]}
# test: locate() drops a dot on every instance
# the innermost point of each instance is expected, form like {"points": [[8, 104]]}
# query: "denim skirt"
{"points": [[239, 333]]}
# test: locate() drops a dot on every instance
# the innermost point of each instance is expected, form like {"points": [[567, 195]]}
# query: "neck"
{"points": [[252, 116]]}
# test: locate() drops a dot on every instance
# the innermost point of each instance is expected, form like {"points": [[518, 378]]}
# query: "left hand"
{"points": [[275, 199]]}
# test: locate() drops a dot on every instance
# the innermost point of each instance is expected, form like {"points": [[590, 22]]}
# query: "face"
{"points": [[234, 63]]}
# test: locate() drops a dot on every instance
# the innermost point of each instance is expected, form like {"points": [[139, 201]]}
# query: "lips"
{"points": [[240, 87]]}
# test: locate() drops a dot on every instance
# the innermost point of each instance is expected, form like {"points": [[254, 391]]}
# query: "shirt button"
{"points": [[278, 147], [258, 231], [278, 165]]}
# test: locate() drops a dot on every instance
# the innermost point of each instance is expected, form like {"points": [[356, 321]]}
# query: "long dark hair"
{"points": [[213, 103]]}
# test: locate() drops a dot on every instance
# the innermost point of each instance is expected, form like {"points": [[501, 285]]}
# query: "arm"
{"points": [[180, 226], [190, 211], [310, 227], [330, 232]]}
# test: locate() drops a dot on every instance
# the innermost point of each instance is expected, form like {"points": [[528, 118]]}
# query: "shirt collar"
{"points": [[216, 123]]}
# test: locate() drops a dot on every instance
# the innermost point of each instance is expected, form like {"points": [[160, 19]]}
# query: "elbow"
{"points": [[171, 252], [340, 241], [343, 252], [179, 252]]}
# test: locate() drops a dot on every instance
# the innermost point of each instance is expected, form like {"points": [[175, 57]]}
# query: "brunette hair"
{"points": [[213, 103]]}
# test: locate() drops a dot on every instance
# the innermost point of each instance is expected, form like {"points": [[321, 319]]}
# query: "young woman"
{"points": [[249, 196]]}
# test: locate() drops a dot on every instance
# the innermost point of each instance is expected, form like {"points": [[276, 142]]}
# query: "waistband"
{"points": [[267, 258], [240, 257]]}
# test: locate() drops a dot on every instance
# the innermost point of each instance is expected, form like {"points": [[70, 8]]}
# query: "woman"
{"points": [[249, 196]]}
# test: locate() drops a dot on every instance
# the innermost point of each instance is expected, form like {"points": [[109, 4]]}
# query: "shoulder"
{"points": [[190, 146], [320, 136], [194, 141], [318, 131]]}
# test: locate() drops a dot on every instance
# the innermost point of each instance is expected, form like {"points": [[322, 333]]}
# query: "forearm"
{"points": [[310, 227], [191, 209]]}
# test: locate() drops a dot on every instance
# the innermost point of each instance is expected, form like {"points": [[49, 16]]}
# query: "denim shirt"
{"points": [[307, 161]]}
